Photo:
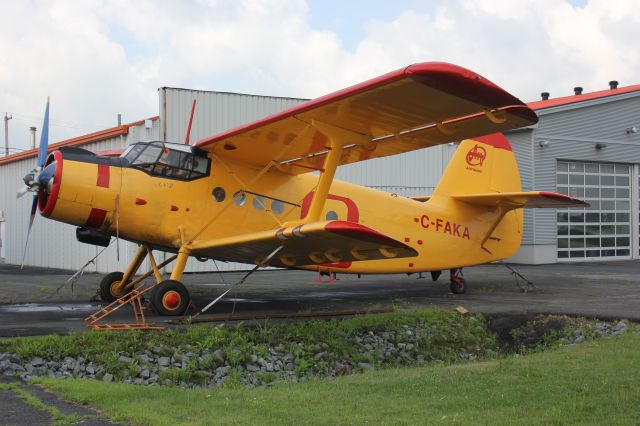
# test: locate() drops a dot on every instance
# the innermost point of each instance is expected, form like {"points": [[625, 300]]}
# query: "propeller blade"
{"points": [[22, 191], [42, 157], [44, 138], [34, 207]]}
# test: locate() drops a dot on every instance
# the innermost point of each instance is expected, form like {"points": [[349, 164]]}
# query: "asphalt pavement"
{"points": [[40, 301]]}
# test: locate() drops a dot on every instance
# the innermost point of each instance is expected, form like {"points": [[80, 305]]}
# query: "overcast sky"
{"points": [[99, 58]]}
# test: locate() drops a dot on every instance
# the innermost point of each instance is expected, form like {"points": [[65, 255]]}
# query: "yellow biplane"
{"points": [[194, 200]]}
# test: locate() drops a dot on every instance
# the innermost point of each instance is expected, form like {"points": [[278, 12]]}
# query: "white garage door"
{"points": [[602, 231]]}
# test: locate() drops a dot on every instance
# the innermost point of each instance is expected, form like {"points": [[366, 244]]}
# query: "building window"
{"points": [[603, 229]]}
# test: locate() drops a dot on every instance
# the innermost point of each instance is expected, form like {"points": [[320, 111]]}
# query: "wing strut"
{"points": [[337, 138]]}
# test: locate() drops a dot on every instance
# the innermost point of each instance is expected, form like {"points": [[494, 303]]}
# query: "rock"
{"points": [[16, 367], [126, 359], [144, 373], [219, 356], [253, 367], [90, 370], [579, 339], [143, 358], [620, 326], [262, 362], [409, 346], [253, 358], [289, 366], [223, 370], [107, 377], [318, 356], [164, 361], [37, 362]]}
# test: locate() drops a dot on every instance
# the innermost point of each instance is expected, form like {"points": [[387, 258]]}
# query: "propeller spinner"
{"points": [[38, 179]]}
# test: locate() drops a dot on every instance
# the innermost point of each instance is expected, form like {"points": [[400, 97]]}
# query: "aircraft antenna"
{"points": [[193, 109]]}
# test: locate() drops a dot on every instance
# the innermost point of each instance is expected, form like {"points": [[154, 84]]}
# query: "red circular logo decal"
{"points": [[476, 156]]}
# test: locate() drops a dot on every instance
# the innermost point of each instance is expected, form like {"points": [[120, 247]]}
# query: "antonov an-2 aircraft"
{"points": [[265, 194]]}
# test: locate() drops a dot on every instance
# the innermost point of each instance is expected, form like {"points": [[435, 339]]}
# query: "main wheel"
{"points": [[170, 298], [110, 289], [458, 285]]}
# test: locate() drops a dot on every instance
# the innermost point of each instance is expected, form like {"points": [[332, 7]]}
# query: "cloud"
{"points": [[99, 58]]}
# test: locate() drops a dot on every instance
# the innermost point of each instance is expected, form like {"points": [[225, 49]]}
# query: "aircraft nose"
{"points": [[45, 179], [48, 181]]}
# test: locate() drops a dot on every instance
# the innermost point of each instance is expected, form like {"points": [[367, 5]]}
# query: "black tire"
{"points": [[170, 298], [459, 287], [107, 287]]}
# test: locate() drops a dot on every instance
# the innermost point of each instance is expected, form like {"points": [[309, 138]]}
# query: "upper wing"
{"points": [[414, 107], [314, 243], [522, 199]]}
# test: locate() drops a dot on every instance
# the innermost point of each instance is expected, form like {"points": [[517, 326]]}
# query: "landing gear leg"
{"points": [[457, 285], [117, 284], [171, 297]]}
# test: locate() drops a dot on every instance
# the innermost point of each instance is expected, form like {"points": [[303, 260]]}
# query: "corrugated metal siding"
{"points": [[572, 135], [215, 111], [409, 174], [603, 121], [53, 244], [521, 143]]}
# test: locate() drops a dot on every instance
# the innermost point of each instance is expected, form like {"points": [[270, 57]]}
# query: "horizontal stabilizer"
{"points": [[514, 200], [316, 243]]}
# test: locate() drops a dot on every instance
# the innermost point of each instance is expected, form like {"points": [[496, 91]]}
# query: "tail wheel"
{"points": [[458, 285], [170, 298], [110, 288]]}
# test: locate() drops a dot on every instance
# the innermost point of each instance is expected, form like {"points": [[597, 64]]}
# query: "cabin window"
{"points": [[169, 160]]}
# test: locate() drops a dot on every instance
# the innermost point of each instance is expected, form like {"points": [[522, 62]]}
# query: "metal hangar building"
{"points": [[586, 145]]}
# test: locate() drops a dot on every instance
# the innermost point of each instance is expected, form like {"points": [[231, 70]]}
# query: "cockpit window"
{"points": [[147, 158], [169, 160], [132, 152]]}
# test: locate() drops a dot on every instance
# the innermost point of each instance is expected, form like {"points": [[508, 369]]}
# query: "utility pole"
{"points": [[7, 117]]}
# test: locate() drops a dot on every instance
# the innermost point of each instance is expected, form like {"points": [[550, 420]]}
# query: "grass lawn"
{"points": [[592, 383]]}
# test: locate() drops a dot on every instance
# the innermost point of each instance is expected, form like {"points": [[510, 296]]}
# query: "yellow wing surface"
{"points": [[414, 107], [515, 200], [314, 243]]}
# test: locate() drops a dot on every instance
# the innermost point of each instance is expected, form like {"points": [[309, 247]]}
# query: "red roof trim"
{"points": [[451, 78], [80, 140], [565, 100]]}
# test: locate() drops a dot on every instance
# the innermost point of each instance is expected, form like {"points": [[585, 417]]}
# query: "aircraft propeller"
{"points": [[40, 178]]}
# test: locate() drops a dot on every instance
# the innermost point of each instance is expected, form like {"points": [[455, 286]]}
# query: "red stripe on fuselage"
{"points": [[96, 218], [103, 176]]}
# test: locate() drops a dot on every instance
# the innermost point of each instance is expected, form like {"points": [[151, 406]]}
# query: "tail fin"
{"points": [[481, 165]]}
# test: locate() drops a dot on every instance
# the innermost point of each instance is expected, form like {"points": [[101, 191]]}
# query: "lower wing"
{"points": [[315, 243]]}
